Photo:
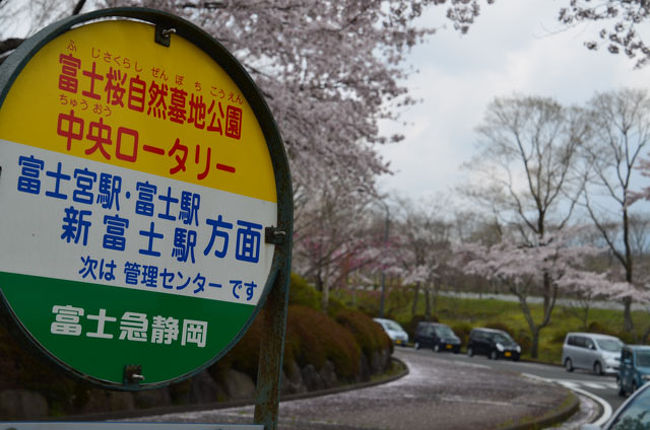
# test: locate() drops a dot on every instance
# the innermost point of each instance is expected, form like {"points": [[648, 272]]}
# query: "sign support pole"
{"points": [[271, 351]]}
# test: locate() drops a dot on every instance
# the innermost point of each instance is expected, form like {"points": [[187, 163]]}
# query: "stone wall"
{"points": [[206, 387]]}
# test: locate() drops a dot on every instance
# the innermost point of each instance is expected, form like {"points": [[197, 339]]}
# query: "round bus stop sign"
{"points": [[141, 169]]}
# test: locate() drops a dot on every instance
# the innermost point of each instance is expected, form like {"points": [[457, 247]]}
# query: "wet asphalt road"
{"points": [[436, 394], [603, 386]]}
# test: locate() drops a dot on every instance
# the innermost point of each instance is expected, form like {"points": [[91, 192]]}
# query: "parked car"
{"points": [[437, 336], [634, 369], [591, 351], [493, 343], [394, 331], [632, 414]]}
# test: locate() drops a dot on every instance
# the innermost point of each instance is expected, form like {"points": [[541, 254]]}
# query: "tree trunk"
{"points": [[325, 297], [427, 304], [436, 288], [318, 281], [416, 296], [532, 326], [585, 317], [628, 324], [534, 344], [321, 285]]}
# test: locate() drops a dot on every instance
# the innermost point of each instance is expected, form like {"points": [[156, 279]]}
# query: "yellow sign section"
{"points": [[107, 92]]}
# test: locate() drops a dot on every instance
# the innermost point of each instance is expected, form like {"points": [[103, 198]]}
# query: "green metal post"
{"points": [[274, 317]]}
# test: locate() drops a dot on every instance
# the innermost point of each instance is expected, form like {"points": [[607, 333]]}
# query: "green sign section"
{"points": [[167, 335]]}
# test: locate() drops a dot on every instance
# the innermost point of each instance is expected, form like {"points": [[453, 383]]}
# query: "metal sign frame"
{"points": [[275, 296]]}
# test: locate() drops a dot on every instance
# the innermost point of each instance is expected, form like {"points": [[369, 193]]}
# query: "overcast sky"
{"points": [[514, 47]]}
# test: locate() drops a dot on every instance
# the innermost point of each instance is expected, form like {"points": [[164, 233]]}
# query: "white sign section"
{"points": [[92, 222]]}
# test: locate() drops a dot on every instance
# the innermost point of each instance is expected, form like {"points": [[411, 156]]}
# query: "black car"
{"points": [[436, 336], [493, 343]]}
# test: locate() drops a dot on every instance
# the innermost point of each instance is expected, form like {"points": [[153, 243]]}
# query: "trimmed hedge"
{"points": [[301, 293], [313, 338], [365, 332]]}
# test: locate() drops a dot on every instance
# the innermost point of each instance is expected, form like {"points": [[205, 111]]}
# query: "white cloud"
{"points": [[514, 47]]}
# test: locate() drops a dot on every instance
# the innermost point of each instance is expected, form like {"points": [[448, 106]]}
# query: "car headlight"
{"points": [[500, 347], [645, 377], [518, 348]]}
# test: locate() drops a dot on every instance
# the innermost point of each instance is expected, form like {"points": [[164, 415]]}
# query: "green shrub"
{"points": [[596, 327], [398, 300], [301, 293], [462, 330], [244, 355], [313, 338], [558, 337], [335, 306], [368, 334], [368, 302]]}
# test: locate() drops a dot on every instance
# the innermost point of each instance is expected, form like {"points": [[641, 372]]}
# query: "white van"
{"points": [[598, 352]]}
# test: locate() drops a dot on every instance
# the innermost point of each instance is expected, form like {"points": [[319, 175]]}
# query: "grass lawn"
{"points": [[462, 314]]}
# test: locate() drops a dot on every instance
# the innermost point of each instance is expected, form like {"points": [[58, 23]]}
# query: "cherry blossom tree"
{"points": [[524, 270], [422, 248], [330, 70], [523, 174], [335, 236], [620, 133], [619, 22]]}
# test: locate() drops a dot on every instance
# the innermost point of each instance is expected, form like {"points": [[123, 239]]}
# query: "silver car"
{"points": [[394, 331], [598, 352]]}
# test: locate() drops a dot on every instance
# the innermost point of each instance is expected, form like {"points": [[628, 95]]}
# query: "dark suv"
{"points": [[436, 336], [493, 343]]}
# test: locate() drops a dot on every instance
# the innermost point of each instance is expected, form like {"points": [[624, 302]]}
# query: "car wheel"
{"points": [[598, 368], [416, 345], [470, 351], [621, 389], [493, 355], [436, 348], [568, 365]]}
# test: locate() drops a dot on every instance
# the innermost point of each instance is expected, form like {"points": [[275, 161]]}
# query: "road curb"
{"points": [[605, 408], [551, 418]]}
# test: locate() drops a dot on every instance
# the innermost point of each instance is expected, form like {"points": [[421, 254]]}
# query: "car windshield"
{"points": [[636, 414], [643, 358], [501, 337], [392, 325], [611, 345], [444, 331]]}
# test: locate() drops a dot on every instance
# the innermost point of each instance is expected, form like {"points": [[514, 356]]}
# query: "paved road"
{"points": [[602, 386], [438, 393]]}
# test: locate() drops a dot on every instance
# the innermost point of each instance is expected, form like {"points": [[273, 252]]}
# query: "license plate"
{"points": [[399, 342], [449, 346], [508, 354]]}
